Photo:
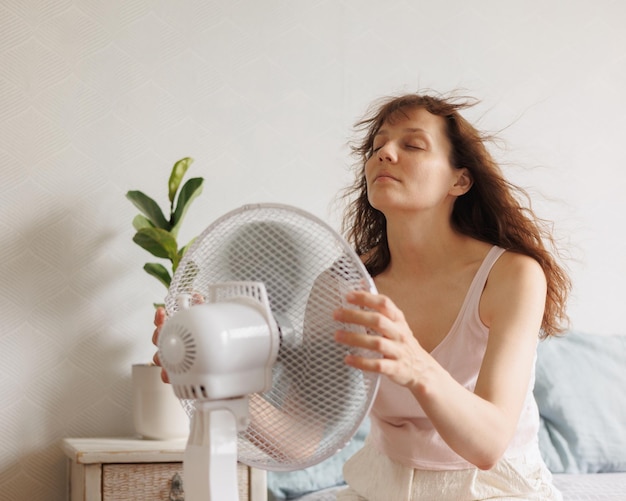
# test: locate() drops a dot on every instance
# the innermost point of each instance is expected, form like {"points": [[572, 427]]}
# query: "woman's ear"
{"points": [[463, 182]]}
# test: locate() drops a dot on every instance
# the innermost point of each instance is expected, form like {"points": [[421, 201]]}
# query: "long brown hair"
{"points": [[491, 211]]}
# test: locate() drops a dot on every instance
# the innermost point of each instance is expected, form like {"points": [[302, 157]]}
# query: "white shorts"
{"points": [[372, 476]]}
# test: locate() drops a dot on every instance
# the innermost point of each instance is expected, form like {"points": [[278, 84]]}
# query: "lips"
{"points": [[385, 176]]}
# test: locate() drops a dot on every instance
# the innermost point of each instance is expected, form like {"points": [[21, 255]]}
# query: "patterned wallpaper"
{"points": [[99, 97]]}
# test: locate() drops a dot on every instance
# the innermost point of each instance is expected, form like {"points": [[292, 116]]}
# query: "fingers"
{"points": [[377, 302], [164, 377], [197, 298], [159, 316], [159, 320], [376, 312], [368, 319], [378, 344], [379, 365]]}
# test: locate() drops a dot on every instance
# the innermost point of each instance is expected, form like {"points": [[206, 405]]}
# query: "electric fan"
{"points": [[249, 346]]}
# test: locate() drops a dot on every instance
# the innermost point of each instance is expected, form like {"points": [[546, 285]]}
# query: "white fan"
{"points": [[249, 346]]}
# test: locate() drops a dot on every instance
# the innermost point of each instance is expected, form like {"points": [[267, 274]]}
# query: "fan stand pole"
{"points": [[210, 459]]}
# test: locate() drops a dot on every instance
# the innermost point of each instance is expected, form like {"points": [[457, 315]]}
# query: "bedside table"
{"points": [[125, 469]]}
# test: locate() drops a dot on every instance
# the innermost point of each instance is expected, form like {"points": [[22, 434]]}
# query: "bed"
{"points": [[574, 487], [581, 393]]}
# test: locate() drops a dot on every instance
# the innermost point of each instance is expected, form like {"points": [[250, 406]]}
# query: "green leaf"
{"points": [[150, 208], [142, 222], [178, 171], [159, 272], [188, 193], [157, 242], [175, 262]]}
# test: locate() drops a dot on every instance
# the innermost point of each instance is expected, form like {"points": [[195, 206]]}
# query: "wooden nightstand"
{"points": [[125, 469]]}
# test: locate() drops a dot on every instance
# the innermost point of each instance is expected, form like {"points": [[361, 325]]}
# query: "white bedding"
{"points": [[596, 486], [587, 487]]}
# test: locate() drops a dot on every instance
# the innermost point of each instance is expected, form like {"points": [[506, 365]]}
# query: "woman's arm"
{"points": [[477, 425]]}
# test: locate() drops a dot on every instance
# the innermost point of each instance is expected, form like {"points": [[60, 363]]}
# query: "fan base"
{"points": [[210, 458]]}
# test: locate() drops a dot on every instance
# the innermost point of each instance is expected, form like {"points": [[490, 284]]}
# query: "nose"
{"points": [[387, 153]]}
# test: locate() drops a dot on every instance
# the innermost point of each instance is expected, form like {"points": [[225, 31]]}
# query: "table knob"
{"points": [[176, 490]]}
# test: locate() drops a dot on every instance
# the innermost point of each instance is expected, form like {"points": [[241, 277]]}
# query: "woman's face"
{"points": [[410, 168]]}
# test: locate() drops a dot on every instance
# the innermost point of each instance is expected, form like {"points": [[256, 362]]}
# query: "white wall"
{"points": [[97, 98]]}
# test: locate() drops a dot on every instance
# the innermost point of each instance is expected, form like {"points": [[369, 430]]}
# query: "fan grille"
{"points": [[316, 402]]}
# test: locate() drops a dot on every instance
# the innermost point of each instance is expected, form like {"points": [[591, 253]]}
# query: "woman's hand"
{"points": [[403, 359], [159, 320]]}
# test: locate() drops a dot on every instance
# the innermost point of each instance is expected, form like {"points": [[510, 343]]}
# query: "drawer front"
{"points": [[152, 481]]}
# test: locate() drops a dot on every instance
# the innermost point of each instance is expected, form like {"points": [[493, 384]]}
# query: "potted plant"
{"points": [[157, 233], [157, 413]]}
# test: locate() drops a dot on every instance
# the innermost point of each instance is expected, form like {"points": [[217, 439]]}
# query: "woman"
{"points": [[466, 288]]}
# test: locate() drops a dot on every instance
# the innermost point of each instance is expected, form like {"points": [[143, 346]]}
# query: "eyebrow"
{"points": [[408, 129]]}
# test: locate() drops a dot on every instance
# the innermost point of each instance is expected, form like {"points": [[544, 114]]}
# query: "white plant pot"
{"points": [[157, 412]]}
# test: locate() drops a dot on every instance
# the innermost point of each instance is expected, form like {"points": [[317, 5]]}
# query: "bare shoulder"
{"points": [[516, 283], [512, 267]]}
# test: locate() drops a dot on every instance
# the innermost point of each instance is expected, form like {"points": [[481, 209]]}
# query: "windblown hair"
{"points": [[491, 211]]}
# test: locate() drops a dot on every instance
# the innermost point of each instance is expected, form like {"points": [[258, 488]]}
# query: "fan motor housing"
{"points": [[218, 350]]}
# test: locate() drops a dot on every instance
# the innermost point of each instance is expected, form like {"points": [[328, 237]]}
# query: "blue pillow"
{"points": [[581, 394], [328, 473]]}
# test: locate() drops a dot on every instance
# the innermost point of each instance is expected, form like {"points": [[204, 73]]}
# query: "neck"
{"points": [[423, 245]]}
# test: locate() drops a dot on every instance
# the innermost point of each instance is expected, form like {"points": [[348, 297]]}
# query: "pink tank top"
{"points": [[401, 430]]}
